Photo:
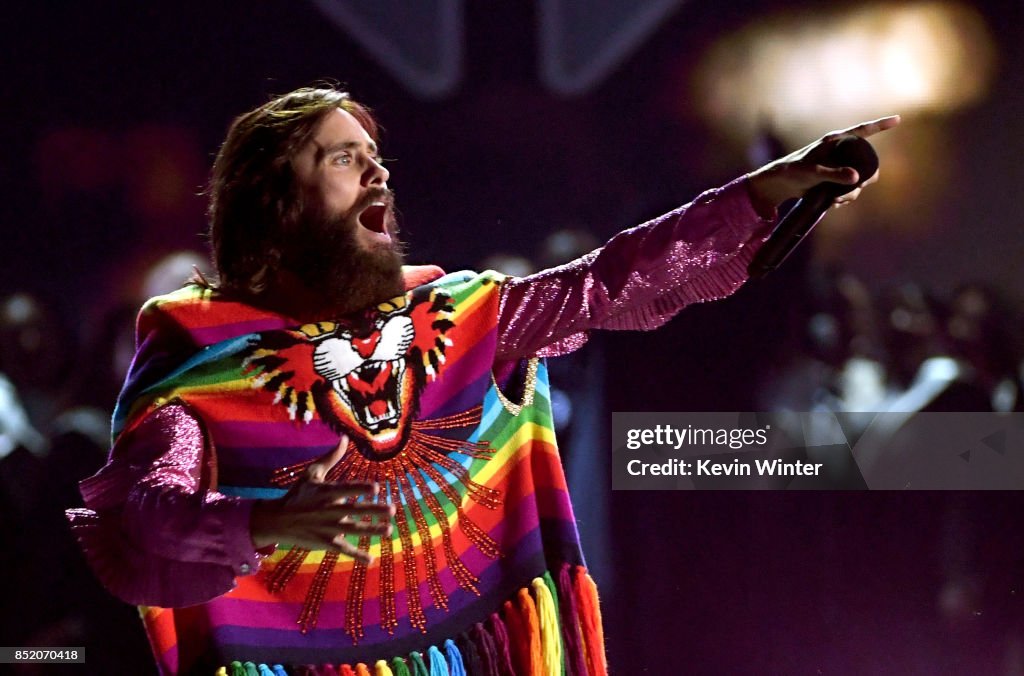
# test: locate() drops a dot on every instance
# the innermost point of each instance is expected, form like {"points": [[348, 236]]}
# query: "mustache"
{"points": [[374, 194]]}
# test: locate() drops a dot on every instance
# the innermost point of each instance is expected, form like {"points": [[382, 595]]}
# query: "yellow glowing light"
{"points": [[815, 72]]}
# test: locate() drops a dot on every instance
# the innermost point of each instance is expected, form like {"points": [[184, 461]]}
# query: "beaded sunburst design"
{"points": [[416, 466]]}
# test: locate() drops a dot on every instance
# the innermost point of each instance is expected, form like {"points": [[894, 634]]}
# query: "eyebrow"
{"points": [[324, 151]]}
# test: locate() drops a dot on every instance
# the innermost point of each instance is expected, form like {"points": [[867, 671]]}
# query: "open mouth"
{"points": [[374, 218], [372, 393]]}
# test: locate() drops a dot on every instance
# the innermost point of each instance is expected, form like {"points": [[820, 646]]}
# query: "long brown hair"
{"points": [[254, 199]]}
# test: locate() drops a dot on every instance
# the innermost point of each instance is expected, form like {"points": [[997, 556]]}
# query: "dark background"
{"points": [[112, 115]]}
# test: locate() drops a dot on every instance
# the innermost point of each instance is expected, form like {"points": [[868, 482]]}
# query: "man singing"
{"points": [[328, 462]]}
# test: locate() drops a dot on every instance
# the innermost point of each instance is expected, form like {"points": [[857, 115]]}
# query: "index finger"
{"points": [[334, 491], [342, 546], [866, 129]]}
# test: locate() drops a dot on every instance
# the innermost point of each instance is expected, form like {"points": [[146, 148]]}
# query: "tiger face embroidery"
{"points": [[362, 375]]}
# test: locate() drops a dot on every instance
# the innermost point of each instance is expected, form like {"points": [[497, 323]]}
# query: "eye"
{"points": [[343, 159]]}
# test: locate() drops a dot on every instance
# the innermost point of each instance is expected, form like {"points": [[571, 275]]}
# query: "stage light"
{"points": [[812, 72]]}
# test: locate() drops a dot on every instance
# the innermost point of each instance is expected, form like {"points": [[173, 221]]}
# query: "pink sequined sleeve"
{"points": [[153, 530], [637, 281]]}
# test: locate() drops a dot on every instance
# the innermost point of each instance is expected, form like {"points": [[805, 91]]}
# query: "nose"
{"points": [[375, 174]]}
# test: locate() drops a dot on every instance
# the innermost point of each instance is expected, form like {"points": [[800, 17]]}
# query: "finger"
{"points": [[318, 470], [329, 532], [327, 499], [327, 495], [345, 547], [332, 513], [844, 175], [848, 197], [873, 179], [358, 511], [353, 519], [346, 527], [367, 510], [349, 489], [866, 129], [348, 496], [341, 502]]}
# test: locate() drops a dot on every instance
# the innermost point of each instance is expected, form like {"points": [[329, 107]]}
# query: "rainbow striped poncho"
{"points": [[483, 573]]}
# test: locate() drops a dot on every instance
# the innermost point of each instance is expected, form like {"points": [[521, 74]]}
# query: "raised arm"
{"points": [[639, 280], [644, 276]]}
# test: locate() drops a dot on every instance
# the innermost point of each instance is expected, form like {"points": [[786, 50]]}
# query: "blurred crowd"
{"points": [[904, 349], [59, 380]]}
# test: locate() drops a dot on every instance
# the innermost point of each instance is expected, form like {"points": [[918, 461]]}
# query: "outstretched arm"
{"points": [[644, 276]]}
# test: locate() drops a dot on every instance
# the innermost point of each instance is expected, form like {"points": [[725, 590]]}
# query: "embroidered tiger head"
{"points": [[362, 375]]}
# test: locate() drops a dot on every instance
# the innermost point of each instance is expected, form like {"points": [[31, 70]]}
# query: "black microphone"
{"points": [[849, 151]]}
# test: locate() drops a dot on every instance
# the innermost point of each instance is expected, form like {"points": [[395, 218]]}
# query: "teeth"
{"points": [[373, 420], [341, 388]]}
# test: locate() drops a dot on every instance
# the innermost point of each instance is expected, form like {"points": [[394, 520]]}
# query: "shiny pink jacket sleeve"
{"points": [[637, 281], [156, 532]]}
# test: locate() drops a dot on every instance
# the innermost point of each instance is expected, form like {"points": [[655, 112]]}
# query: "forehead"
{"points": [[340, 126]]}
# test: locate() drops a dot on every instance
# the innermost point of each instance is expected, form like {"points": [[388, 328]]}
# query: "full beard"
{"points": [[347, 276]]}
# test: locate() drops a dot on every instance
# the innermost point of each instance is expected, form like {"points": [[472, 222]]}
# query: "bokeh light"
{"points": [[808, 72]]}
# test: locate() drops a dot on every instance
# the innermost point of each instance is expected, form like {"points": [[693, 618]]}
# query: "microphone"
{"points": [[849, 151]]}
